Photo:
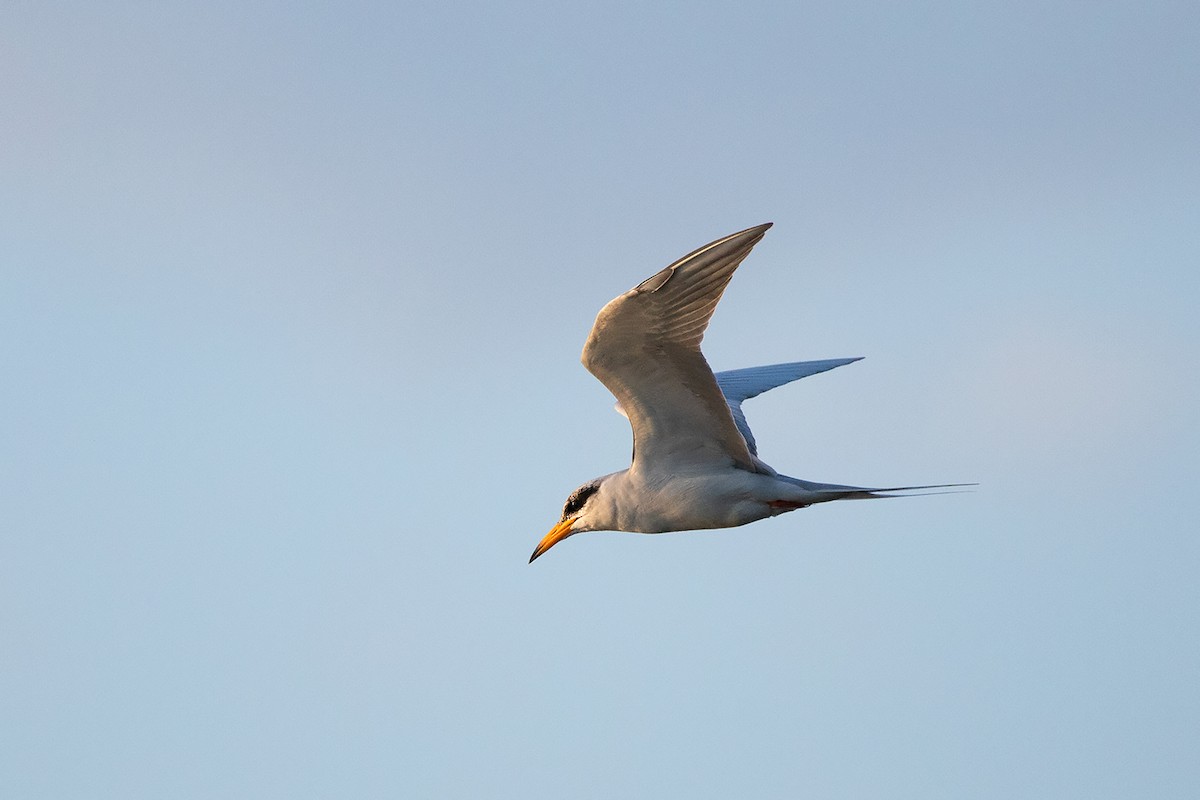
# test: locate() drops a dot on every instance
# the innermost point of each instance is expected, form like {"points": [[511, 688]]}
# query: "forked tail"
{"points": [[824, 492]]}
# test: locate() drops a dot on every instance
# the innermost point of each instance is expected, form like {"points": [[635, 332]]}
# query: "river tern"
{"points": [[695, 462]]}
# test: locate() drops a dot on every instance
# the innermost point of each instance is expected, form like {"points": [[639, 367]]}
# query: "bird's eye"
{"points": [[578, 498]]}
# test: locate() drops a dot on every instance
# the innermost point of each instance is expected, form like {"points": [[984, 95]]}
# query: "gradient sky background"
{"points": [[291, 302]]}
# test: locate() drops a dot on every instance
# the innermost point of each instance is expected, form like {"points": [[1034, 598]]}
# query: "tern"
{"points": [[695, 462]]}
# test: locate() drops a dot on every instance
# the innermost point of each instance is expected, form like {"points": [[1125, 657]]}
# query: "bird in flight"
{"points": [[695, 462]]}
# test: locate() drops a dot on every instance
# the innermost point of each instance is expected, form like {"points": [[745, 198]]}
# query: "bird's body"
{"points": [[660, 502], [695, 462]]}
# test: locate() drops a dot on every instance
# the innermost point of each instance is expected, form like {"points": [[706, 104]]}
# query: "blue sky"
{"points": [[292, 298]]}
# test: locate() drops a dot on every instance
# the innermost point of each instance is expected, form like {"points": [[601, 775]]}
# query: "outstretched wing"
{"points": [[742, 384], [645, 347]]}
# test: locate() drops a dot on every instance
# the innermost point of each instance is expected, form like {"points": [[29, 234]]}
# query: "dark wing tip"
{"points": [[722, 247], [757, 231]]}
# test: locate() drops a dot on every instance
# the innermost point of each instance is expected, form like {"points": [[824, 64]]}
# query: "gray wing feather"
{"points": [[742, 384]]}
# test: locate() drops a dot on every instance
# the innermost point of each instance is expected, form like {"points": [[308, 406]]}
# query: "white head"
{"points": [[580, 513]]}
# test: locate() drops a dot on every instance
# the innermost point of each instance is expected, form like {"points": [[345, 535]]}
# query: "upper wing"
{"points": [[742, 384], [645, 347]]}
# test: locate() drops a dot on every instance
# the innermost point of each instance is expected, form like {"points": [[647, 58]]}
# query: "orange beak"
{"points": [[559, 532]]}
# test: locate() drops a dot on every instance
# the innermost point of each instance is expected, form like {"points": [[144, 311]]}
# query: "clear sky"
{"points": [[291, 303]]}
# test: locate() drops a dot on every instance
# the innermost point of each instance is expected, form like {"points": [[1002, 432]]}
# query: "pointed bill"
{"points": [[559, 532]]}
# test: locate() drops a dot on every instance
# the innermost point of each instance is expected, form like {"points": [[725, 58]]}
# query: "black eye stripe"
{"points": [[578, 498]]}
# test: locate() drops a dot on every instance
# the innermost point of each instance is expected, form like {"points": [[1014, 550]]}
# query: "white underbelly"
{"points": [[724, 500]]}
